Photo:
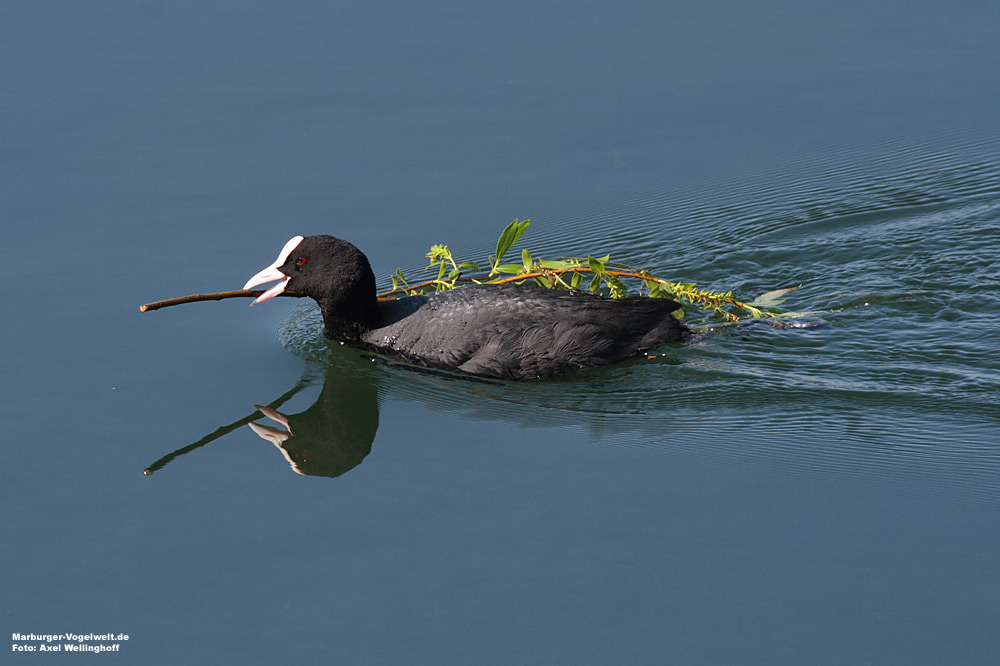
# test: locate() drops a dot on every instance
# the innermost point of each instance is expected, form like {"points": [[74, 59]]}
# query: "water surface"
{"points": [[763, 494]]}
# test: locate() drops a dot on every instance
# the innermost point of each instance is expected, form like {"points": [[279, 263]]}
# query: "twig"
{"points": [[224, 430], [218, 296], [583, 269]]}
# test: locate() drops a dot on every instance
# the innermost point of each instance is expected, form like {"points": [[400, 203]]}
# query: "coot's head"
{"points": [[330, 270]]}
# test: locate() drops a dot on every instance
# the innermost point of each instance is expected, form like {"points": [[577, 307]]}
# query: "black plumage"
{"points": [[503, 331]]}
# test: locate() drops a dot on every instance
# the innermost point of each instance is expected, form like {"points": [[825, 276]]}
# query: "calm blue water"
{"points": [[760, 495]]}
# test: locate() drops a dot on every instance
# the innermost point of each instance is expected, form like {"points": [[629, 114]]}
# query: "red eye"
{"points": [[301, 261]]}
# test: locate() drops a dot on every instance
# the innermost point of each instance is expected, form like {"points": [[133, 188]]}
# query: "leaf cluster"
{"points": [[596, 274]]}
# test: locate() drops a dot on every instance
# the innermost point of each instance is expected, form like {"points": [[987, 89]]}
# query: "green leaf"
{"points": [[577, 280], [509, 236], [469, 266], [658, 292], [596, 265], [596, 282], [439, 253], [526, 260], [441, 271], [618, 289], [513, 269], [771, 298], [557, 265], [542, 281], [454, 273]]}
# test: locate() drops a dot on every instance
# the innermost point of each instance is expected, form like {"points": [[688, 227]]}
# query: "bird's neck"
{"points": [[349, 322]]}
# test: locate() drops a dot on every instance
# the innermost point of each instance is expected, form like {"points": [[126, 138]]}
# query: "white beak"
{"points": [[271, 273]]}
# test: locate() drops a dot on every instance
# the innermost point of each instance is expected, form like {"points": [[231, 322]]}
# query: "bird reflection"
{"points": [[328, 439], [331, 437], [336, 433]]}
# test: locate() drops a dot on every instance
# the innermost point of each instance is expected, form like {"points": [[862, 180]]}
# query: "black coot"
{"points": [[505, 331]]}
